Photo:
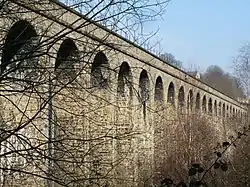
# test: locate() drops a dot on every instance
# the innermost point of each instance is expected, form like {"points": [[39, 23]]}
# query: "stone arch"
{"points": [[100, 71], [204, 104], [223, 110], [215, 108], [210, 106], [190, 100], [144, 90], [19, 48], [197, 101], [124, 88], [158, 89], [219, 109], [171, 93], [181, 97], [227, 111], [67, 57]]}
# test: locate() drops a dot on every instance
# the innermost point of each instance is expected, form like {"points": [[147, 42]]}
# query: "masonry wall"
{"points": [[111, 130]]}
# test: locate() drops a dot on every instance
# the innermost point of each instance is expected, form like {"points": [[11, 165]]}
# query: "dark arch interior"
{"points": [[227, 111], [197, 102], [124, 88], [171, 93], [144, 90], [18, 36], [100, 71], [210, 106], [159, 89], [190, 100], [204, 104], [181, 97], [144, 85], [215, 107], [223, 110], [219, 109], [67, 56]]}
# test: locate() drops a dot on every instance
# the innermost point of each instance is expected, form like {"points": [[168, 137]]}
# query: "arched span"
{"points": [[219, 109], [67, 56], [223, 110], [230, 111], [158, 89], [227, 111], [215, 108], [20, 44], [197, 101], [100, 71], [171, 93], [181, 97], [190, 100], [210, 106], [124, 88], [204, 104], [144, 90]]}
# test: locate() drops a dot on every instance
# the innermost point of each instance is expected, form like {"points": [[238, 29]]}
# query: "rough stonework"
{"points": [[103, 111]]}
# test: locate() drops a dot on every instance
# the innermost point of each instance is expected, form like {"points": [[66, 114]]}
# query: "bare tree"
{"points": [[241, 67], [57, 128], [169, 58], [222, 81]]}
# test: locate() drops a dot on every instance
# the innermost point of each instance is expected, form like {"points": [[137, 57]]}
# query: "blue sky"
{"points": [[205, 32]]}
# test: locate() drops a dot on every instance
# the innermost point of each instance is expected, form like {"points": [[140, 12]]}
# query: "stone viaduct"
{"points": [[112, 68], [174, 84]]}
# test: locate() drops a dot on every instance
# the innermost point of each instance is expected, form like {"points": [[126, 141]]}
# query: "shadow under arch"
{"points": [[197, 102], [210, 106], [190, 100], [67, 57], [144, 90], [159, 89], [19, 49], [125, 81], [215, 108], [204, 104], [171, 94], [100, 71], [181, 97]]}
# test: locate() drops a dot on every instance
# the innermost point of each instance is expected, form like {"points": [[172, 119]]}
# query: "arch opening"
{"points": [[171, 94], [190, 100], [210, 106], [227, 111], [124, 88], [215, 108], [219, 109], [67, 57], [223, 110], [159, 89], [181, 97], [197, 102], [204, 104], [20, 50], [100, 71], [144, 90]]}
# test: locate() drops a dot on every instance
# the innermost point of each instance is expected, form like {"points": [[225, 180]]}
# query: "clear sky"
{"points": [[205, 32]]}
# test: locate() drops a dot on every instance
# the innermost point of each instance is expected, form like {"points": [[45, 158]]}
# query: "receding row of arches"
{"points": [[21, 44], [194, 102]]}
